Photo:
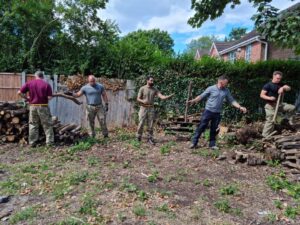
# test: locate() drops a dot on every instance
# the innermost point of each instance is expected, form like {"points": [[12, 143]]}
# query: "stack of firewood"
{"points": [[290, 147], [67, 133], [13, 123], [14, 126]]}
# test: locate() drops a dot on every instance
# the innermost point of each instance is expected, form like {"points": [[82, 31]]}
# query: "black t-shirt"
{"points": [[272, 89]]}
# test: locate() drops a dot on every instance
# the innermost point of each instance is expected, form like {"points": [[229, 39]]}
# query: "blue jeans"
{"points": [[214, 119]]}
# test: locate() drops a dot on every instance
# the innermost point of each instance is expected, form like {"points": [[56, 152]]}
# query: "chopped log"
{"points": [[288, 139], [15, 120], [6, 116], [67, 97], [290, 164], [18, 112], [290, 151], [76, 129], [10, 138], [67, 128], [292, 144]]}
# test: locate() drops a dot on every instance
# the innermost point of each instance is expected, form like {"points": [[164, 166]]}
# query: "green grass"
{"points": [[166, 148], [153, 177], [139, 210], [24, 215], [84, 145], [78, 178], [93, 161], [291, 212], [229, 190], [207, 183], [223, 205]]}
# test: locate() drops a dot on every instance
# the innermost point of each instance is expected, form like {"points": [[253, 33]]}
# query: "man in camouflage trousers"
{"points": [[94, 93], [40, 92], [145, 97], [270, 93]]}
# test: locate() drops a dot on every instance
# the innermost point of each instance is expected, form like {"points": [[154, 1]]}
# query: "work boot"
{"points": [[214, 148], [151, 141], [193, 146], [33, 145]]}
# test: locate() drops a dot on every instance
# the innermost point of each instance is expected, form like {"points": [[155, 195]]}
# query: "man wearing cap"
{"points": [[40, 92]]}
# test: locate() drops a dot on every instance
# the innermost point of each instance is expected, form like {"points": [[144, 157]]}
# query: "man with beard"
{"points": [[145, 97]]}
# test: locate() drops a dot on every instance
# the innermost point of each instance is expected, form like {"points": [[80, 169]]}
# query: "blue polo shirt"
{"points": [[215, 98], [93, 93]]}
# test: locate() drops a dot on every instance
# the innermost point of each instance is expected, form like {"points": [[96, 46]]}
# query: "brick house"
{"points": [[252, 47]]}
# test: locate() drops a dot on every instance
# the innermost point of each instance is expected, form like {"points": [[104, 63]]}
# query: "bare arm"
{"points": [[239, 107], [164, 97], [104, 96], [284, 88], [22, 95], [195, 100], [78, 94], [263, 95]]}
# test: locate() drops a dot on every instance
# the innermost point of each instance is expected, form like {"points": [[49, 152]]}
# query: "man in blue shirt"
{"points": [[94, 93], [215, 94]]}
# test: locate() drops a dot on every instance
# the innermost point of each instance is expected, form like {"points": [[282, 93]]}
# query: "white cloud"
{"points": [[172, 16]]}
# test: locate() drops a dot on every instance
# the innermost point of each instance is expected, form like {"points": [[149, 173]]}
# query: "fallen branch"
{"points": [[67, 97]]}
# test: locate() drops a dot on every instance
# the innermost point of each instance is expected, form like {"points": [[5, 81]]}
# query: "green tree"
{"points": [[156, 37], [278, 27], [236, 33], [135, 56], [202, 43], [58, 36]]}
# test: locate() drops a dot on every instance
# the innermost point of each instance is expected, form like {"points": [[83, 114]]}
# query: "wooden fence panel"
{"points": [[9, 85], [120, 113]]}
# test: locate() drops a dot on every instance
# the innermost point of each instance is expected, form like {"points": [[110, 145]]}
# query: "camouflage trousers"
{"points": [[270, 111], [93, 112], [146, 116], [40, 115]]}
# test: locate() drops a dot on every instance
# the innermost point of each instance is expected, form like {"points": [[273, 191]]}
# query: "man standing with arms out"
{"points": [[93, 92], [270, 93], [215, 95], [40, 93], [145, 97]]}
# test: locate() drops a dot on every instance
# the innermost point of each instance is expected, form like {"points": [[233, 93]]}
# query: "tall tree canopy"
{"points": [[203, 43], [236, 33], [279, 27], [54, 35]]}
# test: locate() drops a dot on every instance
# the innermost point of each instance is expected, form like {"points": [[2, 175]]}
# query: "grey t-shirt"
{"points": [[216, 98], [93, 93]]}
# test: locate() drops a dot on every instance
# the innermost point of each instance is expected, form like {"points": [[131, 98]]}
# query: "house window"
{"points": [[248, 53], [232, 56]]}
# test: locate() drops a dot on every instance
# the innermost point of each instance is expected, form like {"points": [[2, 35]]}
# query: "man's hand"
{"points": [[272, 98], [243, 109], [281, 90], [191, 102], [106, 107]]}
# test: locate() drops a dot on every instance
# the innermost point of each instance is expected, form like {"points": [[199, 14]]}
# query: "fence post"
{"points": [[23, 78]]}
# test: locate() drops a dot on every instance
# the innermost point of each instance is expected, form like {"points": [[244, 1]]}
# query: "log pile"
{"points": [[74, 83], [13, 123], [14, 127], [290, 147]]}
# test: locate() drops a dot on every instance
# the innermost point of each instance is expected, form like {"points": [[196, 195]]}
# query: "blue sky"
{"points": [[172, 16]]}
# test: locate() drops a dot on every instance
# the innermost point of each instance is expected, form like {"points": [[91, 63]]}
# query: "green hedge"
{"points": [[246, 82]]}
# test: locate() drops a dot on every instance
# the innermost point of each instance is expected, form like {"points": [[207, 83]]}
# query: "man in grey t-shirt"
{"points": [[215, 94], [94, 93]]}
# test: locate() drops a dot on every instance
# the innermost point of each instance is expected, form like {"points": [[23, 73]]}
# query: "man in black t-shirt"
{"points": [[270, 93]]}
